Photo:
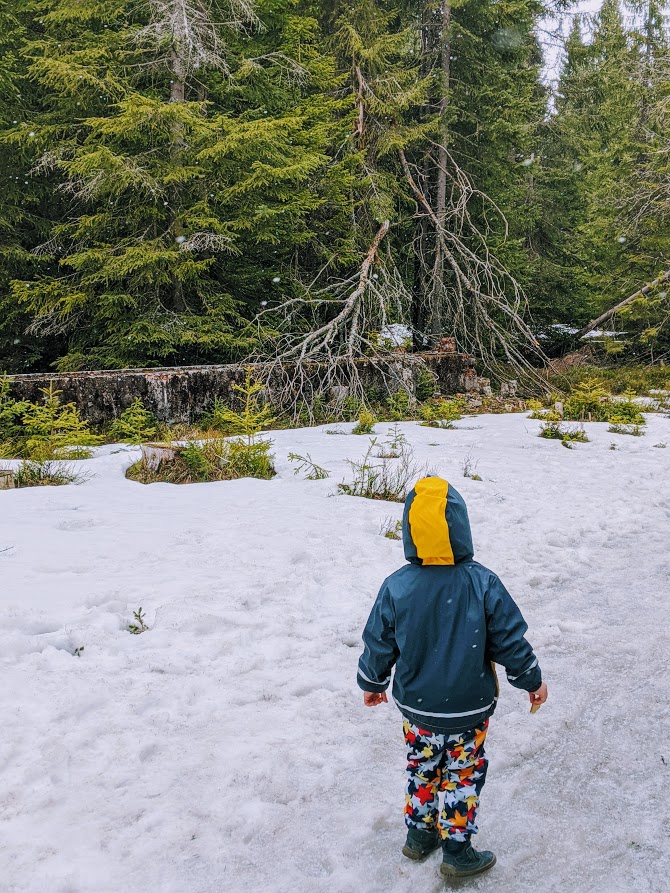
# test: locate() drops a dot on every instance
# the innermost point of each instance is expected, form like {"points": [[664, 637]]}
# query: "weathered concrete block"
{"points": [[183, 393]]}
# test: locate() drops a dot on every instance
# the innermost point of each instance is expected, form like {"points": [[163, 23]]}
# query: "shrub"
{"points": [[391, 529], [425, 384], [588, 401], [625, 412], [546, 415], [385, 479], [249, 460], [11, 414], [617, 379], [313, 472], [557, 431], [46, 430], [400, 405], [210, 460], [366, 423], [251, 419], [621, 426], [47, 473], [441, 414], [135, 424]]}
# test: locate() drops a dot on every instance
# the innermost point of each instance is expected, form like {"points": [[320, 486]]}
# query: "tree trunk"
{"points": [[178, 82], [608, 314], [430, 269]]}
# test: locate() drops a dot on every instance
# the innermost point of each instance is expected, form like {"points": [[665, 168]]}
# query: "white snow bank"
{"points": [[227, 748]]}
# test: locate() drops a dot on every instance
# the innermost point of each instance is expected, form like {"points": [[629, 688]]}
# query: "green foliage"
{"points": [[254, 416], [250, 460], [46, 430], [625, 411], [394, 444], [11, 419], [306, 465], [379, 478], [399, 405], [545, 415], [587, 402], [558, 431], [219, 459], [135, 424], [441, 413], [640, 380], [425, 384], [47, 473], [619, 425], [151, 207], [139, 626], [391, 529], [366, 423]]}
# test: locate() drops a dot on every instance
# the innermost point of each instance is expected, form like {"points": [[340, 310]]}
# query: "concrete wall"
{"points": [[183, 393]]}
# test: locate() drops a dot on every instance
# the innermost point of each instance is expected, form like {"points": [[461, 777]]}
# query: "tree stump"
{"points": [[154, 454], [6, 480]]}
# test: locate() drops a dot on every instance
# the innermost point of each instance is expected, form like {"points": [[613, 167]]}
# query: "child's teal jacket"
{"points": [[443, 620]]}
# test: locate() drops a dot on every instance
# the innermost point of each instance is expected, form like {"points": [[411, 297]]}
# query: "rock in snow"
{"points": [[227, 748]]}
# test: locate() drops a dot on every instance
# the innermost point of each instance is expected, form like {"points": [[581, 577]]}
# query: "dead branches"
{"points": [[334, 326], [608, 314], [463, 289], [185, 36]]}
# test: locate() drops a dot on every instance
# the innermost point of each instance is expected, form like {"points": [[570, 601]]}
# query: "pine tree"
{"points": [[159, 195]]}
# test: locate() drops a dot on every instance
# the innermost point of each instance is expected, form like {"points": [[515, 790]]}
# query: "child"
{"points": [[442, 620]]}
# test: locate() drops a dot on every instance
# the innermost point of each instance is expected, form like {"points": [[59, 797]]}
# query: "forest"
{"points": [[204, 181]]}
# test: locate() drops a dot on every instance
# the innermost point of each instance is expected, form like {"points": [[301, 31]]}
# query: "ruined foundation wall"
{"points": [[183, 393]]}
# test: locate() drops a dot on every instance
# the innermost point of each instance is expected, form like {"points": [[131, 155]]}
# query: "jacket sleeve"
{"points": [[380, 651], [505, 642]]}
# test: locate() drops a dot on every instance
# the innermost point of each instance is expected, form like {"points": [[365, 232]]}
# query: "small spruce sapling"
{"points": [[135, 424], [313, 472], [366, 423], [400, 405], [139, 626], [394, 444], [441, 414], [51, 429], [251, 419]]}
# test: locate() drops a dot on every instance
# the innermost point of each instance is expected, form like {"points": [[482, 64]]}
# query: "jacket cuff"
{"points": [[531, 680], [368, 685]]}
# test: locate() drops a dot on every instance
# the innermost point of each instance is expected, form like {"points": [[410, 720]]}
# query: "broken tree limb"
{"points": [[665, 277]]}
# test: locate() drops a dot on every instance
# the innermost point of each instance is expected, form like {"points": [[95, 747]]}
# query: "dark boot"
{"points": [[462, 860], [420, 844]]}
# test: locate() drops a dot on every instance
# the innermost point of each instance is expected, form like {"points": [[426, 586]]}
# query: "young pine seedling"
{"points": [[139, 626]]}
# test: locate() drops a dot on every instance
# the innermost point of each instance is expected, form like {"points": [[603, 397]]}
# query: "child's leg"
{"points": [[425, 752], [463, 778]]}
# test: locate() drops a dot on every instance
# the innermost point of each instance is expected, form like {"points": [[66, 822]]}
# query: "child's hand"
{"points": [[537, 698], [372, 698]]}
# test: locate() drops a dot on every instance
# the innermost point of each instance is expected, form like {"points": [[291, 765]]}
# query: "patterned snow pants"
{"points": [[454, 765]]}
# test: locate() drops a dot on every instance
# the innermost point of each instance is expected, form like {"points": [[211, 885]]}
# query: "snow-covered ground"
{"points": [[227, 749]]}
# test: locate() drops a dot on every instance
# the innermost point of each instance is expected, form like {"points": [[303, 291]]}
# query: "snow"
{"points": [[227, 748]]}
